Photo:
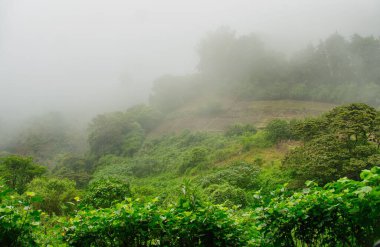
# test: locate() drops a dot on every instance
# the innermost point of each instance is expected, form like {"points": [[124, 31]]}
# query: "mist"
{"points": [[87, 57]]}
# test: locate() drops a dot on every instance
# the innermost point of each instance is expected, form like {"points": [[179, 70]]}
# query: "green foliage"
{"points": [[17, 219], [167, 154], [196, 157], [271, 177], [278, 130], [185, 223], [229, 185], [336, 145], [258, 140], [327, 158], [309, 128], [146, 116], [238, 174], [57, 195], [227, 194], [74, 168], [18, 171], [106, 192], [114, 133], [342, 213], [240, 129], [110, 166], [121, 133], [354, 122]]}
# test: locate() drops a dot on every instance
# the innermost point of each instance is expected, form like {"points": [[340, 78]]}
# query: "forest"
{"points": [[310, 179]]}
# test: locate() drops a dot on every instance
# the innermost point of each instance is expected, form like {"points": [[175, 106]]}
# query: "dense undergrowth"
{"points": [[311, 182], [342, 213]]}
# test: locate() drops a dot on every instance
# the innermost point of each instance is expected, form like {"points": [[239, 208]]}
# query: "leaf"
{"points": [[30, 194]]}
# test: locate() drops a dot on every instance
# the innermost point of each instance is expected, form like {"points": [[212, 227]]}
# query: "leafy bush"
{"points": [[227, 194], [342, 213], [278, 130], [114, 133], [185, 223], [196, 157], [337, 144], [57, 195], [74, 168], [258, 140], [239, 174], [105, 192], [17, 219]]}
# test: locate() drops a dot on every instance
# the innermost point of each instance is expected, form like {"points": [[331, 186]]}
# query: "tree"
{"points": [[336, 145], [74, 168], [58, 195], [114, 133], [309, 128], [105, 192], [354, 123], [278, 130], [18, 171], [321, 160]]}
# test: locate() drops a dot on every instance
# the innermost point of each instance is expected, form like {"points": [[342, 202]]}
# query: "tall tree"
{"points": [[18, 171]]}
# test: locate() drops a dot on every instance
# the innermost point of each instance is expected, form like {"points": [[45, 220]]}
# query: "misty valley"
{"points": [[257, 146]]}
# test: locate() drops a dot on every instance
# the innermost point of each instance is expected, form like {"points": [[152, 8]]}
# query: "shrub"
{"points": [[227, 194], [57, 195], [278, 130], [105, 192], [196, 157], [188, 222], [345, 212], [17, 219], [239, 174]]}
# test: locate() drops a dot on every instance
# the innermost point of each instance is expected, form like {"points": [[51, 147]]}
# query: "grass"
{"points": [[258, 113]]}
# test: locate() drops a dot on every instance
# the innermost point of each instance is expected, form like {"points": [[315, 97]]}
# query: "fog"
{"points": [[90, 56]]}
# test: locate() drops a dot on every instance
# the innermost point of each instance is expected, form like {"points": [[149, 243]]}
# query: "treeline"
{"points": [[336, 70]]}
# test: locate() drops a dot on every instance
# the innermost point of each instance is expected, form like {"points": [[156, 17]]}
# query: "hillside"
{"points": [[216, 115], [241, 153]]}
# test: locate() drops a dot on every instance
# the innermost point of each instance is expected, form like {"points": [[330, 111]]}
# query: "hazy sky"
{"points": [[77, 54]]}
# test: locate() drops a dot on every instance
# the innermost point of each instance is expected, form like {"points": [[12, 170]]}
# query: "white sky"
{"points": [[93, 55]]}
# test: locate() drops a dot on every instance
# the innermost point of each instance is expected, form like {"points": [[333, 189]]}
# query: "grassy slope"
{"points": [[255, 112], [170, 152]]}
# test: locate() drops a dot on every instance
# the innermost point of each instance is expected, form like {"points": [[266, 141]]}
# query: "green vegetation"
{"points": [[57, 195], [339, 145], [18, 171], [204, 189], [285, 175], [103, 193], [342, 213]]}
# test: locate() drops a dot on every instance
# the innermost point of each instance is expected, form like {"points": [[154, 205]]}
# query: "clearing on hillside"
{"points": [[214, 115]]}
